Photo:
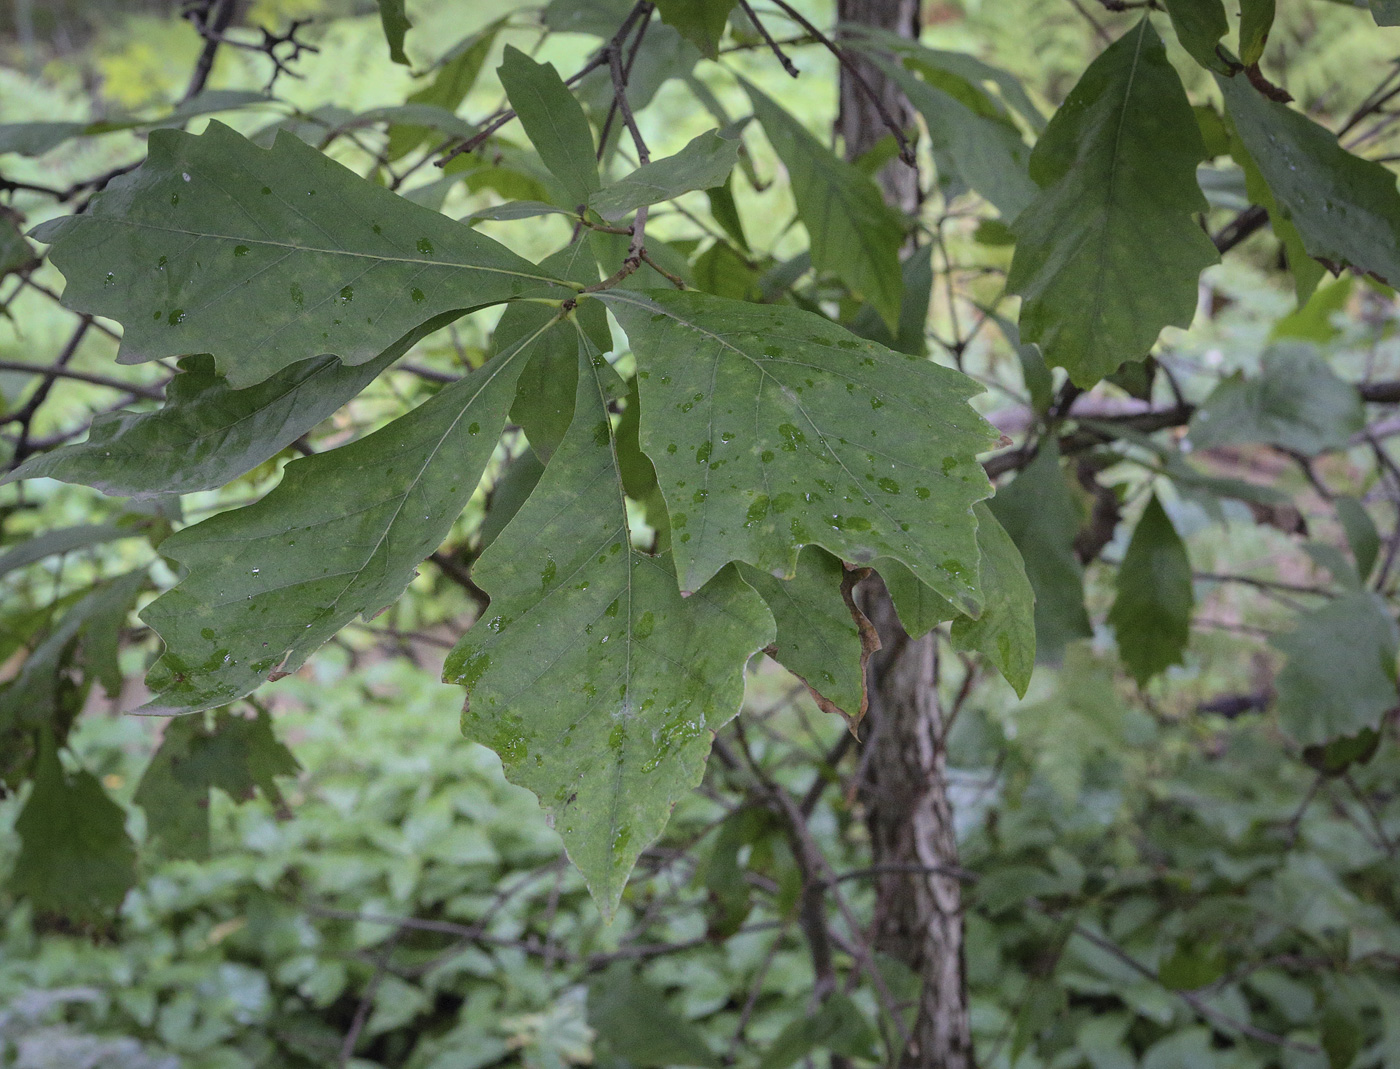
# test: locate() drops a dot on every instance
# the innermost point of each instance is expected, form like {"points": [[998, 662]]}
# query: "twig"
{"points": [[352, 1037], [773, 45]]}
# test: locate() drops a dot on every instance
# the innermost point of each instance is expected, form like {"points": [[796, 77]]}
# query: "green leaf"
{"points": [[1041, 518], [1256, 20], [1109, 252], [511, 491], [837, 1025], [917, 274], [16, 254], [75, 860], [1005, 632], [818, 640], [237, 754], [1199, 25], [701, 22], [772, 428], [1340, 676], [553, 120], [266, 257], [1386, 12], [632, 1017], [920, 609], [854, 235], [703, 164], [207, 434], [447, 90], [1295, 403], [340, 536], [987, 152], [62, 540], [1347, 209], [394, 19], [1193, 963], [1312, 321], [1362, 536], [599, 686], [726, 212], [1151, 614]]}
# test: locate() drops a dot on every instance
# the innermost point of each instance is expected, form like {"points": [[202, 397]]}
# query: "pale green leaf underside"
{"points": [[1295, 403], [703, 163], [772, 428], [1109, 252], [854, 235], [1151, 615], [598, 685], [340, 536], [267, 257], [1346, 209], [1340, 674]]}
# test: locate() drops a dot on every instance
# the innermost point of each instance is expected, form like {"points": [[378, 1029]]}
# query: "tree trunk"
{"points": [[904, 787]]}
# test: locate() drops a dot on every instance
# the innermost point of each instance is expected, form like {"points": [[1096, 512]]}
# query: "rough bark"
{"points": [[904, 784], [859, 124]]}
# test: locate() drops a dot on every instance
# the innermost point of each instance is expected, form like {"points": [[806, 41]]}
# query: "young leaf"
{"points": [[1347, 209], [207, 434], [394, 19], [1109, 252], [1340, 676], [1295, 403], [599, 686], [553, 120], [819, 639], [237, 754], [987, 152], [75, 858], [266, 257], [1256, 20], [340, 536], [1040, 517], [701, 22], [1199, 25], [1005, 632], [854, 235], [1151, 613], [772, 428], [704, 163]]}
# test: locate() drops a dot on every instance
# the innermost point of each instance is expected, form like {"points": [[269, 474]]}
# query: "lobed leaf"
{"points": [[1109, 252], [266, 257], [340, 536], [1151, 614], [772, 428], [599, 686]]}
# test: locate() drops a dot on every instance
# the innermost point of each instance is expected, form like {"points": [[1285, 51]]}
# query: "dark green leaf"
{"points": [[511, 491], [395, 21], [1295, 403], [516, 209], [207, 434], [704, 163], [837, 1025], [553, 120], [632, 1017], [16, 254], [701, 22], [1199, 25], [772, 428], [340, 536], [1340, 675], [237, 754], [75, 858], [597, 684], [1151, 614], [1109, 252], [1386, 12], [988, 153], [188, 252], [1347, 209], [818, 638], [1193, 963], [1005, 632], [1337, 756], [1256, 20], [1362, 536], [853, 234], [917, 274], [1041, 518], [447, 90]]}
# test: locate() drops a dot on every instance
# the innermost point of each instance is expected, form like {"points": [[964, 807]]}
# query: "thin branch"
{"points": [[773, 45]]}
